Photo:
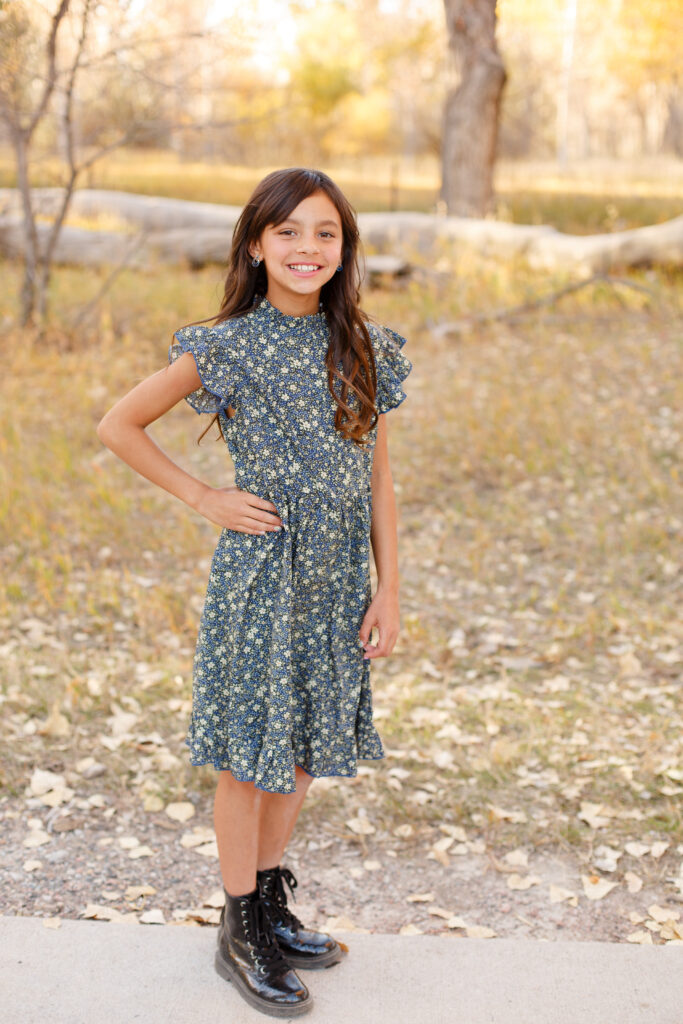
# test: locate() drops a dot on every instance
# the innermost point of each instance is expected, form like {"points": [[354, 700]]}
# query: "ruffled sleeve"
{"points": [[392, 367], [211, 349]]}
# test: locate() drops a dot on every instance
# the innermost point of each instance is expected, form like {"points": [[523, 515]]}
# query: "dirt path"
{"points": [[363, 882]]}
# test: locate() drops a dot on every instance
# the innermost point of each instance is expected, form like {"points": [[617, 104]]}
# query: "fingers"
{"points": [[260, 515], [387, 639], [268, 514]]}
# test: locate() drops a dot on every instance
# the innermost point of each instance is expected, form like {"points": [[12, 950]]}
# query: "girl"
{"points": [[298, 379]]}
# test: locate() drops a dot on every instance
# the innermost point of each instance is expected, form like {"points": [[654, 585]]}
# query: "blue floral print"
{"points": [[279, 677]]}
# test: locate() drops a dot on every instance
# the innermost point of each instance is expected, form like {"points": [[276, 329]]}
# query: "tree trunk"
{"points": [[31, 256], [472, 109]]}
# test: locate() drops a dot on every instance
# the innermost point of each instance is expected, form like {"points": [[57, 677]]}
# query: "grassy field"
{"points": [[587, 198], [537, 675]]}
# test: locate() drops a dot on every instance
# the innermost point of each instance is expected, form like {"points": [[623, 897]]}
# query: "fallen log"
{"points": [[199, 233]]}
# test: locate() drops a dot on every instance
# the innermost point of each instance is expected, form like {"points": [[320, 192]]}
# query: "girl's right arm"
{"points": [[122, 430]]}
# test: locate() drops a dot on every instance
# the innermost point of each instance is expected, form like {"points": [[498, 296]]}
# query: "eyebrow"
{"points": [[292, 220]]}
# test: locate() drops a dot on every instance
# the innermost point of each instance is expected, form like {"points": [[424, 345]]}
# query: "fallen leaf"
{"points": [[56, 724], [207, 849], [154, 916], [636, 918], [134, 892], [215, 899], [140, 851], [480, 931], [605, 858], [361, 826], [121, 721], [443, 844], [128, 842], [89, 768], [153, 803], [558, 894], [410, 929], [457, 831], [372, 865], [200, 834], [641, 937], [43, 781], [420, 897], [518, 857], [663, 914], [36, 838], [523, 881], [180, 811], [633, 882], [637, 849], [500, 814], [100, 913], [204, 915], [440, 912], [403, 831], [596, 888], [590, 813], [57, 796], [658, 848], [456, 922], [32, 865]]}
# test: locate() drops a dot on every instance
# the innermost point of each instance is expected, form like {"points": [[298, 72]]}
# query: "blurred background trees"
{"points": [[281, 82]]}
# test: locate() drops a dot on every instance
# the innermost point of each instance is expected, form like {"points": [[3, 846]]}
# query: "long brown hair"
{"points": [[271, 202]]}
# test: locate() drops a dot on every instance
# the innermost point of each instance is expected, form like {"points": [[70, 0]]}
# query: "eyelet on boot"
{"points": [[248, 955], [302, 947]]}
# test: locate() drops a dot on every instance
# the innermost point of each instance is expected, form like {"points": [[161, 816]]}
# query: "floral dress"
{"points": [[279, 677]]}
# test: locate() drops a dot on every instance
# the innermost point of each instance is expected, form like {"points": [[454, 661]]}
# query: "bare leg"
{"points": [[279, 812], [236, 815]]}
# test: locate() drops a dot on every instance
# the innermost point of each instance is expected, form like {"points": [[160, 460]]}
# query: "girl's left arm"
{"points": [[383, 611]]}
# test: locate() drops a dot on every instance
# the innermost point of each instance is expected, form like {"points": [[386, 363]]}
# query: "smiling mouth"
{"points": [[304, 269]]}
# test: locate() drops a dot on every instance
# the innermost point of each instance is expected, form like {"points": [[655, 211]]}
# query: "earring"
{"points": [[339, 268], [256, 261]]}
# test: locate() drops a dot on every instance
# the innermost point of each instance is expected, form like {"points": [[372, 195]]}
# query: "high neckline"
{"points": [[268, 307]]}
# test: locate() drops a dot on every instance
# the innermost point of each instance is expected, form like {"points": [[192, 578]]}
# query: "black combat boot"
{"points": [[249, 956], [301, 947]]}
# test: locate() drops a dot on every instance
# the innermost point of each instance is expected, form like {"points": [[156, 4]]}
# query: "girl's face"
{"points": [[311, 237]]}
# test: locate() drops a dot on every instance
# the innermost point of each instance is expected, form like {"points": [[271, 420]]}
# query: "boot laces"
{"points": [[262, 938], [280, 897]]}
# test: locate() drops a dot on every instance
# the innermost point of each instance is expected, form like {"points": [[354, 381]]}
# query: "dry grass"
{"points": [[588, 197], [540, 503]]}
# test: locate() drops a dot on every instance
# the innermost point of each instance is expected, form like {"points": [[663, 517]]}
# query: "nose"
{"points": [[308, 248]]}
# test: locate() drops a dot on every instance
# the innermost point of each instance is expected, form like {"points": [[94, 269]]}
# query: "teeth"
{"points": [[304, 266]]}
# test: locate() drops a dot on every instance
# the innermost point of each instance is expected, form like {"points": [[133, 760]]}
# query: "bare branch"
{"points": [[51, 68], [543, 301], [137, 243], [56, 227]]}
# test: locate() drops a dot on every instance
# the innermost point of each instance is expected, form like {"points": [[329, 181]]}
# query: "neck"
{"points": [[293, 305]]}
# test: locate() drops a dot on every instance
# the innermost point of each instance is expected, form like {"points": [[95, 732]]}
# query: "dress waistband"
{"points": [[300, 486]]}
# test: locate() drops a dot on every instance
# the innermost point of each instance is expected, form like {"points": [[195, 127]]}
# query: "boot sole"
{"points": [[229, 973], [334, 956]]}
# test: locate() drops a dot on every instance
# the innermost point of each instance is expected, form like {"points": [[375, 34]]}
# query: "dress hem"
{"points": [[325, 775]]}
